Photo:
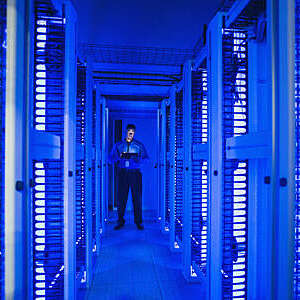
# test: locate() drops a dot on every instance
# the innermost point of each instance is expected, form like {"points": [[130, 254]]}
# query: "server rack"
{"points": [[196, 172], [171, 195], [240, 154], [235, 197], [176, 176], [94, 178], [179, 168], [81, 175], [53, 167], [98, 188], [267, 145], [2, 138], [167, 168], [255, 147], [48, 179], [99, 171]]}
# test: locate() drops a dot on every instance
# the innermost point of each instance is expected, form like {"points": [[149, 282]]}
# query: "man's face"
{"points": [[130, 135]]}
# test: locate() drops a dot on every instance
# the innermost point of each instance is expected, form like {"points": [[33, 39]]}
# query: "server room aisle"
{"points": [[138, 265]]}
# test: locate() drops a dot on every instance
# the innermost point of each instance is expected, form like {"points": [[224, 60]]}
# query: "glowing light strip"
{"points": [[40, 73], [40, 172]]}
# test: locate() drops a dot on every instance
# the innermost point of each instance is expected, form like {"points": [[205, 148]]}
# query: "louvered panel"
{"points": [[179, 168], [81, 175], [168, 165], [235, 193], [94, 214], [199, 173]]}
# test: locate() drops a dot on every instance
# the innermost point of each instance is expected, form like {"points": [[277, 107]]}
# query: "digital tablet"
{"points": [[128, 155]]}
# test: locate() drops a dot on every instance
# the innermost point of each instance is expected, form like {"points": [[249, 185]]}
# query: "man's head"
{"points": [[130, 132]]}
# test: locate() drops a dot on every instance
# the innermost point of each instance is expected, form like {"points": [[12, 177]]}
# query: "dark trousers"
{"points": [[133, 179]]}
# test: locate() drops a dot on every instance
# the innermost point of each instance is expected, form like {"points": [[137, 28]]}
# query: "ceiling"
{"points": [[144, 23]]}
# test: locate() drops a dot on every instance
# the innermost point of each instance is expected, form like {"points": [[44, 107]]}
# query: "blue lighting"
{"points": [[217, 190]]}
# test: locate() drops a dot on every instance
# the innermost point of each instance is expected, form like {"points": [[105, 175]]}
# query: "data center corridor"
{"points": [[210, 88]]}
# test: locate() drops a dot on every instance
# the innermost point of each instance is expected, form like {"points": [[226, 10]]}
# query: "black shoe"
{"points": [[140, 226], [119, 226]]}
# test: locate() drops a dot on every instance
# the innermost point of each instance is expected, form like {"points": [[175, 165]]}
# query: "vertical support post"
{"points": [[158, 163], [163, 167], [104, 175], [253, 180], [70, 153], [88, 175], [260, 120], [99, 168], [283, 148], [16, 68], [215, 163], [172, 170], [28, 162], [104, 158], [187, 168]]}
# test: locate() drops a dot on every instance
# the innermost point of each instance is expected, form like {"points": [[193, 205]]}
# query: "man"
{"points": [[129, 155]]}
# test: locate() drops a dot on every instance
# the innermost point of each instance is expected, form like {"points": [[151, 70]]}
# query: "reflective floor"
{"points": [[139, 265]]}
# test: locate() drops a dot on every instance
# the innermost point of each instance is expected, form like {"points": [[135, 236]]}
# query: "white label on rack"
{"points": [[126, 163]]}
